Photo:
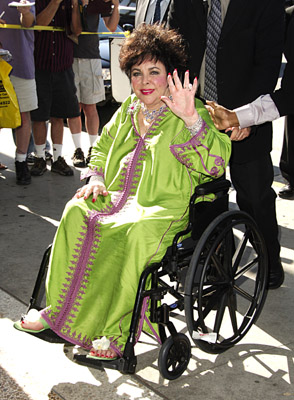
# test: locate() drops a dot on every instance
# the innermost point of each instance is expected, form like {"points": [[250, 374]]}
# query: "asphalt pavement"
{"points": [[260, 366]]}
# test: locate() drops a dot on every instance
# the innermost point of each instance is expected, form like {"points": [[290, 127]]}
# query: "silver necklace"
{"points": [[151, 115]]}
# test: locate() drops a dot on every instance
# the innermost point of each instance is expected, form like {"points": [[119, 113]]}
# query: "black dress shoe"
{"points": [[276, 278], [287, 192]]}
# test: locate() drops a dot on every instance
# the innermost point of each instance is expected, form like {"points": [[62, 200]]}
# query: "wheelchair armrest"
{"points": [[218, 185]]}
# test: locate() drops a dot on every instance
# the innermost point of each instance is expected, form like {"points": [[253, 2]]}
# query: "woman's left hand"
{"points": [[182, 103], [92, 188]]}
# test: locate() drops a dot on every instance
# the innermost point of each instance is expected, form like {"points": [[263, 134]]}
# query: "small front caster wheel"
{"points": [[174, 356]]}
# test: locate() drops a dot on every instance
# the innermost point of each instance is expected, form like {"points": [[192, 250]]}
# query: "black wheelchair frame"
{"points": [[217, 275]]}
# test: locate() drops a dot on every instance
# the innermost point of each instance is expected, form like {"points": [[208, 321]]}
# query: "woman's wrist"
{"points": [[96, 179], [196, 127], [191, 120]]}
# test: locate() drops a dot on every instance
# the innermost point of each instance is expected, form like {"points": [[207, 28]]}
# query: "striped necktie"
{"points": [[157, 15], [214, 26]]}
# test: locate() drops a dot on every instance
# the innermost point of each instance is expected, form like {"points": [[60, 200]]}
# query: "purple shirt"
{"points": [[53, 50], [20, 43]]}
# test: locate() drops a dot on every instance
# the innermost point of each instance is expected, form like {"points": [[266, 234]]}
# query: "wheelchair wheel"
{"points": [[174, 356], [226, 282]]}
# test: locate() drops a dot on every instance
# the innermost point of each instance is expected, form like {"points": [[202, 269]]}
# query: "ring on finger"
{"points": [[188, 87]]}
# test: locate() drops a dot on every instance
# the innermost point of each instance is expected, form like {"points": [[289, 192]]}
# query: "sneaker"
{"points": [[78, 158], [23, 176], [89, 156], [39, 167], [31, 159], [60, 167]]}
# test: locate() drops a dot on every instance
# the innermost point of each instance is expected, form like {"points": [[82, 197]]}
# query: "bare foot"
{"points": [[110, 353], [34, 326]]}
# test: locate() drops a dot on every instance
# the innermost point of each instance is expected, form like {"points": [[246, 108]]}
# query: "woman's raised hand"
{"points": [[182, 103]]}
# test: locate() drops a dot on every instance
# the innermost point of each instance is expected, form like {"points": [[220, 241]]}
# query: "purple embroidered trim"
{"points": [[179, 151], [143, 318], [92, 172]]}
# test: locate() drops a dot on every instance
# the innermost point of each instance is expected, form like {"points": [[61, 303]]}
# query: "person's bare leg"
{"points": [[23, 133], [56, 130], [91, 118], [75, 125], [40, 132]]}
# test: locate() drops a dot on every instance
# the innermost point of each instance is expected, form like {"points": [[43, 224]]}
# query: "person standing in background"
{"points": [[269, 107], [56, 90], [20, 43], [235, 49], [287, 156], [87, 69], [151, 11]]}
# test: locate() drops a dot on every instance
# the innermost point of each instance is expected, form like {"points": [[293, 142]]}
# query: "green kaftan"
{"points": [[100, 249]]}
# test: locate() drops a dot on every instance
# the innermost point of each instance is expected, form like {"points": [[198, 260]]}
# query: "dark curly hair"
{"points": [[153, 42]]}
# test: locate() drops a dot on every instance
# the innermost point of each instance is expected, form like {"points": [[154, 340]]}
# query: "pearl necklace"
{"points": [[151, 115]]}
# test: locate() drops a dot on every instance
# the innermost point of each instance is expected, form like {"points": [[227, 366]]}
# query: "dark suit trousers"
{"points": [[253, 181], [287, 156]]}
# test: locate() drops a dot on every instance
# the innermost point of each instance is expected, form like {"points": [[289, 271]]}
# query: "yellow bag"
{"points": [[9, 109]]}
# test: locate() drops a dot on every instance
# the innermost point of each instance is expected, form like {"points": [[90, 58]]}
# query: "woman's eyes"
{"points": [[136, 74]]}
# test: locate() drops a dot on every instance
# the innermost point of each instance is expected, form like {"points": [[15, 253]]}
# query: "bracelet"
{"points": [[195, 128], [97, 178]]}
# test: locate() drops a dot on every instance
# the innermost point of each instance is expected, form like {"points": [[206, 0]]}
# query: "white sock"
{"points": [[40, 150], [20, 157], [77, 139], [57, 151], [92, 139]]}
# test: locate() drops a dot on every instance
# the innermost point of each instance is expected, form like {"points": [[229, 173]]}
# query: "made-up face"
{"points": [[149, 83]]}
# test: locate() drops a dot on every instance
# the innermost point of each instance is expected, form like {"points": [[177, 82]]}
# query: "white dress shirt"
{"points": [[151, 9], [261, 110]]}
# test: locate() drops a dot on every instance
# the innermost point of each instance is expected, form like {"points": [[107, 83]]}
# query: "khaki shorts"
{"points": [[89, 80], [26, 93]]}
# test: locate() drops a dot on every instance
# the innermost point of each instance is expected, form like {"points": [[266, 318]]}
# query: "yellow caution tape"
{"points": [[57, 29]]}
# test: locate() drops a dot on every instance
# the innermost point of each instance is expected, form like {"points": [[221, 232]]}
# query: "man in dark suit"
{"points": [[284, 102], [268, 108], [145, 11], [248, 60]]}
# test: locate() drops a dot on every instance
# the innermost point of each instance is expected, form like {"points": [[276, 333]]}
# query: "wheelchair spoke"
{"points": [[247, 267], [171, 363], [220, 314], [228, 251], [240, 251], [217, 263], [232, 305], [243, 293]]}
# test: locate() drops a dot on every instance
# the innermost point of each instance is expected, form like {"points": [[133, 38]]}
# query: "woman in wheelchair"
{"points": [[157, 147]]}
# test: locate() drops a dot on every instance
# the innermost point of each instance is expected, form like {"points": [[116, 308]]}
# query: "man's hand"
{"points": [[221, 116], [240, 134]]}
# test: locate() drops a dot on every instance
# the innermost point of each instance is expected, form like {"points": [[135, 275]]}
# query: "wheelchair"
{"points": [[215, 271]]}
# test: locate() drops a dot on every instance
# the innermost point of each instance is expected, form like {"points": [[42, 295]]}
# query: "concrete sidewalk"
{"points": [[260, 366]]}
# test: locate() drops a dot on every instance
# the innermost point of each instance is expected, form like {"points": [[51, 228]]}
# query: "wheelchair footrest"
{"points": [[49, 336], [120, 364]]}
